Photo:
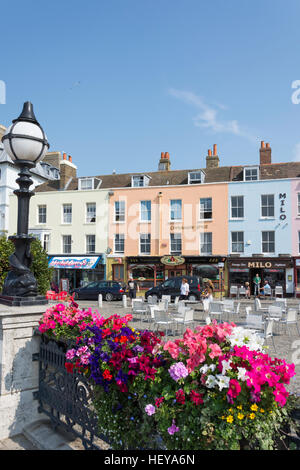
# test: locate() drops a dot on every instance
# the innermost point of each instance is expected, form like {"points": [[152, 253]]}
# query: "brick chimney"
{"points": [[265, 153], [164, 162], [212, 160], [67, 171]]}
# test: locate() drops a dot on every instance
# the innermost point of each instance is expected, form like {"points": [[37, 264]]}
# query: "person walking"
{"points": [[256, 282], [208, 294], [184, 290], [132, 288]]}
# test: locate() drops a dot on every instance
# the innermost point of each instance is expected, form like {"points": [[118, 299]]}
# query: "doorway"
{"points": [[252, 274]]}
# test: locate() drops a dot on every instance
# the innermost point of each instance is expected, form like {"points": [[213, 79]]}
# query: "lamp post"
{"points": [[26, 144]]}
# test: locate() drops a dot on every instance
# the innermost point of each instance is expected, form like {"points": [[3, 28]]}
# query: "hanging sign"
{"points": [[171, 260]]}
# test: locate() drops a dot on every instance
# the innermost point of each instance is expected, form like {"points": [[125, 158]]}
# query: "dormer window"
{"points": [[195, 177], [139, 181], [85, 184], [251, 173]]}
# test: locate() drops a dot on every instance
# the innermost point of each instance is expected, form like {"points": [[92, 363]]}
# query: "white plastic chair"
{"points": [[228, 307], [254, 322], [278, 291], [163, 319], [267, 292], [163, 304], [233, 291], [274, 313], [268, 332], [242, 291], [186, 318], [166, 297], [139, 307], [290, 319], [259, 307], [215, 310]]}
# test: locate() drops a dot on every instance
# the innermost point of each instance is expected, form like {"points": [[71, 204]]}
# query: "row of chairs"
{"points": [[241, 291], [161, 316]]}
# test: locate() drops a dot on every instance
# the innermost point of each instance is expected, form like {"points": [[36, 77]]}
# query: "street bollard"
{"points": [[100, 300], [124, 298]]}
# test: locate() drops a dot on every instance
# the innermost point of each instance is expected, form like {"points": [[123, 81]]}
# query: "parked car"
{"points": [[172, 287], [110, 290]]}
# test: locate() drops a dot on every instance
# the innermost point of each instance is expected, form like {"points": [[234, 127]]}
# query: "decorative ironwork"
{"points": [[67, 398]]}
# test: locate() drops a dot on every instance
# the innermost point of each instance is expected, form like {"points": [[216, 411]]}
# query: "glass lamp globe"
{"points": [[25, 140]]}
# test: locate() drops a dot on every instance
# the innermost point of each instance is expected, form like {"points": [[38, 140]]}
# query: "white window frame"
{"points": [[251, 169], [192, 180], [147, 211], [121, 212], [175, 201], [145, 241], [175, 238], [121, 238], [82, 184], [65, 215], [42, 206], [88, 243], [205, 210], [88, 218], [298, 206], [238, 242], [144, 179], [63, 245], [206, 242], [237, 207], [268, 241], [46, 242], [267, 206]]}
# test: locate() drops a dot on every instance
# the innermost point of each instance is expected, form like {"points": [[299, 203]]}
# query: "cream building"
{"points": [[70, 217]]}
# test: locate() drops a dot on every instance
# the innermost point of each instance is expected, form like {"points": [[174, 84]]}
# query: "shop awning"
{"points": [[73, 262]]}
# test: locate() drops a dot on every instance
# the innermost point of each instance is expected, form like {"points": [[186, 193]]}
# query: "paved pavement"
{"points": [[287, 345]]}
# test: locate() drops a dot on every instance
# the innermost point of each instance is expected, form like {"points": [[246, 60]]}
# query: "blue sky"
{"points": [[116, 82]]}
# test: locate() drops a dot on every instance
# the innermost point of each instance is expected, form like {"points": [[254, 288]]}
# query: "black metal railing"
{"points": [[67, 398]]}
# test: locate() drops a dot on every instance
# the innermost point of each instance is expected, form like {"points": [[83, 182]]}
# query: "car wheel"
{"points": [[109, 297], [192, 297]]}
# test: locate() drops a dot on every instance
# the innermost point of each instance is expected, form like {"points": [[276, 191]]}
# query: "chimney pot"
{"points": [[70, 158], [215, 149], [64, 156], [167, 155], [162, 155], [265, 154], [262, 144], [267, 145], [209, 152]]}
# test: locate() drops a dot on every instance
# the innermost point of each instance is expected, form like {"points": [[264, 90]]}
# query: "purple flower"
{"points": [[178, 371], [172, 429], [150, 410]]}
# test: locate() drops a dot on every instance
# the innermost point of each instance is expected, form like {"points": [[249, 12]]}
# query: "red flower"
{"points": [[180, 397], [159, 401], [107, 375], [234, 388], [196, 397], [69, 367]]}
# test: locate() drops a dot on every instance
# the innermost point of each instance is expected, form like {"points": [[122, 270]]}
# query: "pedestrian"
{"points": [[184, 290], [264, 288], [132, 288], [256, 282], [207, 294], [247, 292]]}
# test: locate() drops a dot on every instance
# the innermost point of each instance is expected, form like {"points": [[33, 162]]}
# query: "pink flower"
{"points": [[234, 388], [172, 429], [150, 410], [215, 350]]}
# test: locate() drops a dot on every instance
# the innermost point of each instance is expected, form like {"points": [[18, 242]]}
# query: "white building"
{"points": [[8, 175]]}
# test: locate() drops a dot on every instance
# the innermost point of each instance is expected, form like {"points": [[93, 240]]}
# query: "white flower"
{"points": [[223, 381], [242, 337], [211, 381], [204, 369], [242, 374], [226, 366], [212, 367]]}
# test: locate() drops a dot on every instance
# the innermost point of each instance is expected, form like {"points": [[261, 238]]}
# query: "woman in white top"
{"points": [[184, 290]]}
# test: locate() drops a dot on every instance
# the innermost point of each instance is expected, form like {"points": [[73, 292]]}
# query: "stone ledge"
{"points": [[42, 436]]}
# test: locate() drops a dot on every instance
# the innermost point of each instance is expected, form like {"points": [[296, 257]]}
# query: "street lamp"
{"points": [[26, 144]]}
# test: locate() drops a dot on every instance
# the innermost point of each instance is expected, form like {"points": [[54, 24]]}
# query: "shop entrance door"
{"points": [[252, 274], [174, 273]]}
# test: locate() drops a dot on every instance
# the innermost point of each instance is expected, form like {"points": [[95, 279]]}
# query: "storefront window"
{"points": [[144, 275], [238, 277]]}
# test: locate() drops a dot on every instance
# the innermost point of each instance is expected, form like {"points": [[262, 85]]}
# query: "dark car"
{"points": [[172, 287], [110, 290]]}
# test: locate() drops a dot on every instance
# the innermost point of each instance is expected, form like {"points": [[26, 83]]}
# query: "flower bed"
{"points": [[214, 388]]}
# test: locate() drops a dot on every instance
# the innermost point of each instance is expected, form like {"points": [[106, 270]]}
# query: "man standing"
{"points": [[256, 282]]}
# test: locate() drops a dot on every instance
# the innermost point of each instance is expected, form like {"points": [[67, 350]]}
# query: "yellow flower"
{"points": [[222, 417], [230, 410], [252, 416], [240, 416], [229, 419], [254, 407], [239, 407], [262, 410]]}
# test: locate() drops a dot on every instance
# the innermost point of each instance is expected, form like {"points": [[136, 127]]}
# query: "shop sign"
{"points": [[79, 262], [282, 197], [260, 264], [172, 260]]}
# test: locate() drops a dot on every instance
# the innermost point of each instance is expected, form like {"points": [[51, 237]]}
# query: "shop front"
{"points": [[297, 275], [277, 271], [147, 271], [209, 267], [70, 272]]}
